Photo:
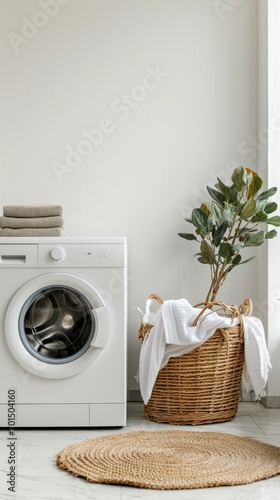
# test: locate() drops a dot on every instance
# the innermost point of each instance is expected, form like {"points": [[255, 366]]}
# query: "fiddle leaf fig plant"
{"points": [[235, 218]]}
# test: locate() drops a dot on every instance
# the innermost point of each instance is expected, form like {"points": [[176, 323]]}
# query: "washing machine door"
{"points": [[56, 325]]}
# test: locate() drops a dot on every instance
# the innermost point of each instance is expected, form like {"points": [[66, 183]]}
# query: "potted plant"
{"points": [[233, 221], [203, 385]]}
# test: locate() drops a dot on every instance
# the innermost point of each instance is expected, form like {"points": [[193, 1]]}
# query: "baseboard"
{"points": [[134, 395], [271, 401]]}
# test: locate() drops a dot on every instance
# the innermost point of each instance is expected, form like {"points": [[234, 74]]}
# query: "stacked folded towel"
{"points": [[32, 220]]}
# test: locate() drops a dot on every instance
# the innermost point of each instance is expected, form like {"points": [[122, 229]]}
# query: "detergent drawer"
{"points": [[18, 256]]}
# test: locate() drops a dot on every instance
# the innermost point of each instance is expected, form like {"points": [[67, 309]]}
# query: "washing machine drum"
{"points": [[56, 325]]}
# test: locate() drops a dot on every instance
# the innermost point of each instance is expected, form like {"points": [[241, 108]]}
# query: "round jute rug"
{"points": [[172, 459]]}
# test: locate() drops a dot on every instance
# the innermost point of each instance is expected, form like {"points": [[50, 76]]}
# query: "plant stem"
{"points": [[220, 273]]}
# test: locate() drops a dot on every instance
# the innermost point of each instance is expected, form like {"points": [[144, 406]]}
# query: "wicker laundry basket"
{"points": [[202, 386]]}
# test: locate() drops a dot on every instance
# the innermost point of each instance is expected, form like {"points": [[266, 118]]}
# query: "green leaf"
{"points": [[225, 251], [210, 225], [216, 195], [237, 260], [188, 236], [271, 234], [233, 195], [255, 183], [245, 230], [201, 260], [228, 213], [236, 247], [200, 220], [217, 214], [239, 178], [224, 189], [206, 208], [266, 194], [274, 221], [207, 252], [218, 235], [256, 240], [260, 216], [270, 207], [248, 209], [247, 260]]}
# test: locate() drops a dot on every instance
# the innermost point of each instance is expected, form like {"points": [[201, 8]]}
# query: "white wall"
{"points": [[274, 180], [196, 119], [269, 120]]}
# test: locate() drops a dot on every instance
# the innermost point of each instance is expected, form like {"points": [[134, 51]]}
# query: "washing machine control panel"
{"points": [[81, 255]]}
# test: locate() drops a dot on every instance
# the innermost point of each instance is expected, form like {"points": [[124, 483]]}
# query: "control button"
{"points": [[100, 255], [105, 255], [57, 253]]}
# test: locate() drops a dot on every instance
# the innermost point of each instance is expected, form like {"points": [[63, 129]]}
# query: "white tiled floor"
{"points": [[39, 478]]}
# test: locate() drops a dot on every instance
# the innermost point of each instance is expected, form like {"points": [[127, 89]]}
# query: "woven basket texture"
{"points": [[202, 386]]}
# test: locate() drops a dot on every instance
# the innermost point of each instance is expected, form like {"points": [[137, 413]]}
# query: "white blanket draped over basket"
{"points": [[174, 335]]}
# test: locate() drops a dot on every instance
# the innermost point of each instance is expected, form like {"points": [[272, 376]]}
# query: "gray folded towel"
{"points": [[32, 231], [19, 222], [32, 210]]}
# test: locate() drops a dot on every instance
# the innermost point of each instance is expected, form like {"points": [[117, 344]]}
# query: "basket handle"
{"points": [[144, 329], [244, 309], [149, 302], [156, 297], [247, 307]]}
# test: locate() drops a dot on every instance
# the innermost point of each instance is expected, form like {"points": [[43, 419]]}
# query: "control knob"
{"points": [[57, 253]]}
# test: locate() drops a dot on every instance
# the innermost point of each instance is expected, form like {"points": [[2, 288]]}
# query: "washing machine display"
{"points": [[56, 324]]}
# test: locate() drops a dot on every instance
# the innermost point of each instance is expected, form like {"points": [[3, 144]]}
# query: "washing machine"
{"points": [[63, 332]]}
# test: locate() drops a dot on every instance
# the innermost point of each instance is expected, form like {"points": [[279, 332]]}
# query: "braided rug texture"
{"points": [[172, 459]]}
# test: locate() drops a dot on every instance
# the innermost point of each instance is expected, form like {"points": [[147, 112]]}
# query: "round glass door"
{"points": [[56, 324]]}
